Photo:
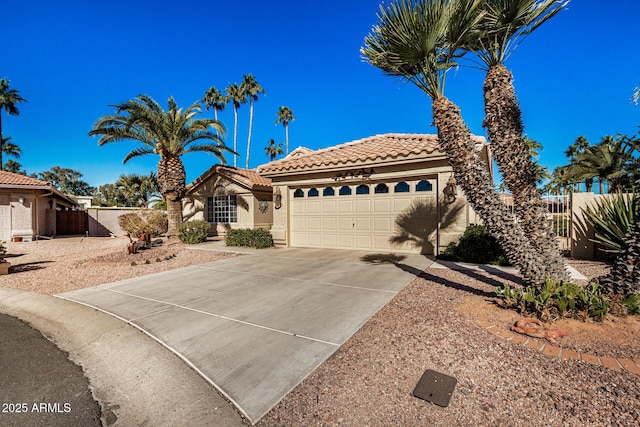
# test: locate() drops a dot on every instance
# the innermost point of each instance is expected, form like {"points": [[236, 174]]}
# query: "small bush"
{"points": [[192, 232], [256, 238], [476, 245], [556, 299], [147, 221]]}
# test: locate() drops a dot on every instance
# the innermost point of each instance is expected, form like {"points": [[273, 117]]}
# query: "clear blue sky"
{"points": [[71, 58]]}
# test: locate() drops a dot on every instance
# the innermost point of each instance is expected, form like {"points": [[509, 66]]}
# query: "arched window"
{"points": [[328, 191], [381, 189], [362, 189], [298, 193], [424, 186], [401, 187], [313, 192], [345, 190]]}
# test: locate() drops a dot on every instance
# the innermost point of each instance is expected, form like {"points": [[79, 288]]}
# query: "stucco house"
{"points": [[388, 193], [229, 197], [28, 207]]}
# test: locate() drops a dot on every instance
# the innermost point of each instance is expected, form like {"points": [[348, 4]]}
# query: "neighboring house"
{"points": [[28, 207], [229, 197], [387, 193]]}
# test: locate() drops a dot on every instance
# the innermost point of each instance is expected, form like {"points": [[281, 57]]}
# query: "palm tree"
{"points": [[137, 190], [8, 100], [419, 41], [251, 88], [503, 25], [608, 161], [214, 99], [169, 134], [9, 148], [579, 146], [236, 94], [273, 150], [285, 115], [13, 166]]}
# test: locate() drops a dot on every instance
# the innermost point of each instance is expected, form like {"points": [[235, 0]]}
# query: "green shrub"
{"points": [[192, 232], [612, 218], [556, 299], [477, 246], [632, 302], [256, 238]]}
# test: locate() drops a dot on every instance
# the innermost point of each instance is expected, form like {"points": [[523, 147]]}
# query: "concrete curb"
{"points": [[135, 379]]}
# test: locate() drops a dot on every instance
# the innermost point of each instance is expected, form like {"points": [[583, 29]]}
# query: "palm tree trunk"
{"points": [[172, 181], [250, 129], [473, 177], [235, 135], [503, 120], [286, 138]]}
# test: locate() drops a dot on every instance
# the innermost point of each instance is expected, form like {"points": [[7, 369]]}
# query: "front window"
{"points": [[222, 209]]}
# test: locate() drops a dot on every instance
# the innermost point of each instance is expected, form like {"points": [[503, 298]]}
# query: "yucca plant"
{"points": [[612, 218]]}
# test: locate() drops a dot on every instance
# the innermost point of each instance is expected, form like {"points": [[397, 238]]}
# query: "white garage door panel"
{"points": [[363, 206], [345, 224], [313, 207], [330, 240], [328, 206], [363, 221], [313, 224], [382, 225], [382, 206]]}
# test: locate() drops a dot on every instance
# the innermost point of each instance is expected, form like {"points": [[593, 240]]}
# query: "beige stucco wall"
{"points": [[104, 221], [29, 218], [581, 232], [249, 214]]}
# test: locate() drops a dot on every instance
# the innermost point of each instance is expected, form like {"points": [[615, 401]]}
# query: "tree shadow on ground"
{"points": [[28, 266], [396, 260]]}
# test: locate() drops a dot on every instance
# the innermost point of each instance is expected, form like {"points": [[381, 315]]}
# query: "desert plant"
{"points": [[612, 218], [192, 232], [147, 221], [476, 245], [624, 277], [256, 238], [556, 299], [3, 251], [632, 302]]}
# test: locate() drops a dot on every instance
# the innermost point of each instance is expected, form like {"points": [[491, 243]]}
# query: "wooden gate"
{"points": [[71, 222]]}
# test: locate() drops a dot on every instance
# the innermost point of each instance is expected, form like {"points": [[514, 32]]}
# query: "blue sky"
{"points": [[72, 58]]}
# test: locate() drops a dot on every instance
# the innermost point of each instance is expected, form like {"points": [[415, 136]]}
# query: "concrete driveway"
{"points": [[256, 325]]}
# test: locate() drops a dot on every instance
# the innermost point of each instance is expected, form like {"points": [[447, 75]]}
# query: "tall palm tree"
{"points": [[13, 166], [608, 161], [8, 100], [237, 96], [579, 146], [169, 134], [252, 89], [215, 100], [503, 25], [9, 149], [419, 41], [273, 150], [285, 115]]}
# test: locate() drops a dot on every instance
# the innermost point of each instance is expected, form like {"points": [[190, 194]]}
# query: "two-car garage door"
{"points": [[390, 216]]}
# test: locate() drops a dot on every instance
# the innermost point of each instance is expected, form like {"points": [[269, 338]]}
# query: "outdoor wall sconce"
{"points": [[450, 191], [277, 198], [263, 206], [21, 200]]}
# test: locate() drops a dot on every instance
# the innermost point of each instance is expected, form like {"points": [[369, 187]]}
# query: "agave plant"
{"points": [[612, 219]]}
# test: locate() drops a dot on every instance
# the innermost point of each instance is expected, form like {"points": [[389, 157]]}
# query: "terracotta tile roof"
{"points": [[381, 147], [248, 178], [9, 178]]}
